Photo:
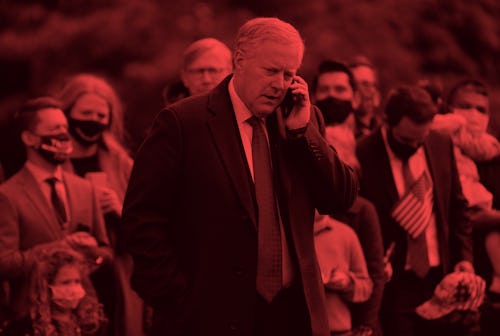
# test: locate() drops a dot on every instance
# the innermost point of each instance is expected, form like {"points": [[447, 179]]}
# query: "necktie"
{"points": [[417, 253], [269, 267], [56, 201]]}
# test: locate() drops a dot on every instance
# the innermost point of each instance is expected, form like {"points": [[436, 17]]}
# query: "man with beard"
{"points": [[410, 175], [334, 93], [42, 206], [366, 114]]}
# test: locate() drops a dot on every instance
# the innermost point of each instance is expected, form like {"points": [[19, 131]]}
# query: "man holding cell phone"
{"points": [[219, 210]]}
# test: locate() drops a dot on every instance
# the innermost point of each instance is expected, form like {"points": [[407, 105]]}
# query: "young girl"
{"points": [[62, 300]]}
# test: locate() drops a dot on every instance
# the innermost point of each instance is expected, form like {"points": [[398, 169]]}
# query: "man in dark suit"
{"points": [[401, 163], [219, 211], [41, 206]]}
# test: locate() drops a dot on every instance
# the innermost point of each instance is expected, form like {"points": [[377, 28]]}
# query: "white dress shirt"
{"points": [[242, 114], [418, 165]]}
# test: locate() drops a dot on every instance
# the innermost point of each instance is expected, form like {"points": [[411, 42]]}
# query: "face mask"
{"points": [[55, 148], [335, 111], [477, 122], [86, 132], [401, 150], [67, 296]]}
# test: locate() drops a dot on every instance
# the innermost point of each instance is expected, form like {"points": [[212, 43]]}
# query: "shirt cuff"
{"points": [[296, 133]]}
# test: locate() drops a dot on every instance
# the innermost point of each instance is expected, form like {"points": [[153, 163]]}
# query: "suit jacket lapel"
{"points": [[383, 166], [225, 133], [75, 209], [32, 191], [435, 161]]}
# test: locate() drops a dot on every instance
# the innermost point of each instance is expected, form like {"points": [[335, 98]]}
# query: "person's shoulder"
{"points": [[189, 106], [11, 185], [344, 232], [115, 152], [75, 181], [367, 144]]}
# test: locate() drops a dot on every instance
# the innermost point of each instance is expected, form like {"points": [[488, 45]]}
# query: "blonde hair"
{"points": [[81, 84], [258, 30]]}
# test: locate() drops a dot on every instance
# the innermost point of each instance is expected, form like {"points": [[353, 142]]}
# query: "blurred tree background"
{"points": [[138, 44]]}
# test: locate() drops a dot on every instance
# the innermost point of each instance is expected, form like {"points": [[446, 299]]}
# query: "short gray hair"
{"points": [[199, 47], [258, 30]]}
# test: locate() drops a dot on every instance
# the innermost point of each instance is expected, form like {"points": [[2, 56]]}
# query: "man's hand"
{"points": [[301, 111], [108, 200], [339, 281], [464, 266], [388, 271], [80, 240]]}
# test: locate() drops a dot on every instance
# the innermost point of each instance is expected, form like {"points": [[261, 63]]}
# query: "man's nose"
{"points": [[206, 77], [279, 82]]}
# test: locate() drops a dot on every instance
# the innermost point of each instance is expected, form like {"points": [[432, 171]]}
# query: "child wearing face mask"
{"points": [[62, 300], [467, 126]]}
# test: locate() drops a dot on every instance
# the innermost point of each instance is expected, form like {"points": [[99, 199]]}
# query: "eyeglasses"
{"points": [[201, 71]]}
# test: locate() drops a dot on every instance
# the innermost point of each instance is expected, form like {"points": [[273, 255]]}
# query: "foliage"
{"points": [[138, 44]]}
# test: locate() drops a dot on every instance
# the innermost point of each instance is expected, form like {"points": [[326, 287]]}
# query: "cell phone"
{"points": [[288, 103]]}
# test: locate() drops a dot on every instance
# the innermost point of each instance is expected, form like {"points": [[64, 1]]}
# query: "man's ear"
{"points": [[238, 60], [29, 139]]}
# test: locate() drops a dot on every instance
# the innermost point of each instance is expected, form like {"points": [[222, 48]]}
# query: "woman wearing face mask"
{"points": [[95, 119], [62, 300]]}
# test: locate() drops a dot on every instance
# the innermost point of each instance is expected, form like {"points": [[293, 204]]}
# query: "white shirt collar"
{"points": [[241, 111]]}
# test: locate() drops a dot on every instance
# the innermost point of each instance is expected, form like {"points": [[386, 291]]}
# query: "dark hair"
{"points": [[27, 116], [471, 85], [333, 66], [434, 88], [412, 102]]}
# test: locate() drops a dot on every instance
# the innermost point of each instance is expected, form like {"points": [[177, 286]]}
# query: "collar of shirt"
{"points": [[41, 175], [241, 111], [242, 114]]}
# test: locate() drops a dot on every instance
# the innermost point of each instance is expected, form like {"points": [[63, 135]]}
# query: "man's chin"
{"points": [[264, 111]]}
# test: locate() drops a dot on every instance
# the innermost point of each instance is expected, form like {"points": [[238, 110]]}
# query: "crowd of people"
{"points": [[258, 204]]}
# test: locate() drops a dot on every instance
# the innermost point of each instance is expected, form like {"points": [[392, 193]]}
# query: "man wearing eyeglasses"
{"points": [[367, 116], [206, 63]]}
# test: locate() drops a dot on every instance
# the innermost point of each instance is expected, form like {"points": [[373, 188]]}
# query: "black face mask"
{"points": [[55, 148], [335, 111], [86, 132], [401, 150]]}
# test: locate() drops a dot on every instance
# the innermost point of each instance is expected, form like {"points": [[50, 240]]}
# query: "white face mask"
{"points": [[477, 122], [67, 296]]}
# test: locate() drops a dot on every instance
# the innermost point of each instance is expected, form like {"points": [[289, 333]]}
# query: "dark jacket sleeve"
{"points": [[147, 216], [370, 237], [333, 183]]}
